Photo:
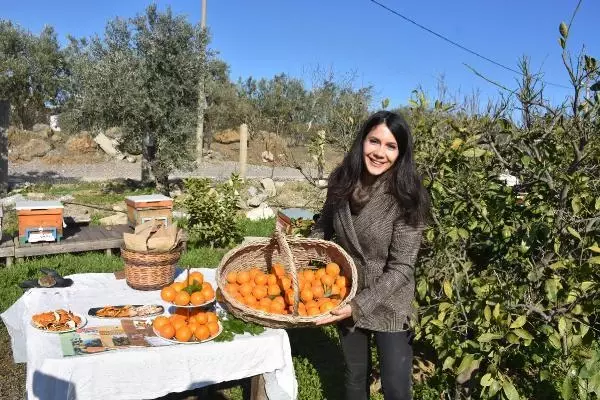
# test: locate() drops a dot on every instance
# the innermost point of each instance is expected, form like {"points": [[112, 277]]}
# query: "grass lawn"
{"points": [[316, 354]]}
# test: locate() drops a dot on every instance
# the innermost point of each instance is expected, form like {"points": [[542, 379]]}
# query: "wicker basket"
{"points": [[150, 271], [292, 252]]}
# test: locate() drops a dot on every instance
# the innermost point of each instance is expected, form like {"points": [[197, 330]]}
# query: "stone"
{"points": [[321, 183], [35, 196], [269, 187], [81, 143], [252, 191], [116, 219], [56, 138], [115, 132], [55, 123], [279, 185], [255, 201], [107, 145], [180, 215], [66, 198], [42, 129], [34, 148], [119, 208], [10, 201], [175, 193], [262, 212], [227, 136], [131, 159], [267, 156]]}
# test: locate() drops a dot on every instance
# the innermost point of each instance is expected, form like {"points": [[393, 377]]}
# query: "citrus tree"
{"points": [[508, 283]]}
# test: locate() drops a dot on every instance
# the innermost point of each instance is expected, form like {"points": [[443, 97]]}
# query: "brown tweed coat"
{"points": [[384, 249]]}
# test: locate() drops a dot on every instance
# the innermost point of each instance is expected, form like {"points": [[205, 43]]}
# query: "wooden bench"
{"points": [[76, 238]]}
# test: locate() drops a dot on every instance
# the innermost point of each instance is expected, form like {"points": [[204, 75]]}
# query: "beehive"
{"points": [[39, 221], [144, 208]]}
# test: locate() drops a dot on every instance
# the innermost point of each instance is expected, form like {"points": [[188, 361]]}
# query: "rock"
{"points": [[227, 136], [262, 212], [119, 208], [267, 156], [42, 129], [56, 138], [66, 198], [255, 201], [180, 215], [108, 146], [11, 200], [115, 132], [279, 185], [175, 193], [241, 204], [55, 123], [35, 196], [252, 191], [81, 143], [33, 148], [322, 183], [116, 219], [269, 187], [131, 159]]}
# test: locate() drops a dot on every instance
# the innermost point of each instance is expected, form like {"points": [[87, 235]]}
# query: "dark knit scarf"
{"points": [[362, 193]]}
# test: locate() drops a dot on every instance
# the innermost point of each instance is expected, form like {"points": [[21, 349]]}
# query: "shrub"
{"points": [[213, 219]]}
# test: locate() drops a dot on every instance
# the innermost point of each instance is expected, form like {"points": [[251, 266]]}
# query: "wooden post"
{"points": [[4, 114], [243, 149], [257, 388]]}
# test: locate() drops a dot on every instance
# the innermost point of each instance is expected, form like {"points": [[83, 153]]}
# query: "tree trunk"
{"points": [[4, 118], [148, 154]]}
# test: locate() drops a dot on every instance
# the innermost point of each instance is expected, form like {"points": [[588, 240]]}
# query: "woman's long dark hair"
{"points": [[404, 181]]}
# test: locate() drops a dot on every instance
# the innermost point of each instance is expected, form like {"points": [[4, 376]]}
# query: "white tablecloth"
{"points": [[136, 373]]}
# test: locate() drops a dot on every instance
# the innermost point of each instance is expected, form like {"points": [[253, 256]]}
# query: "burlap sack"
{"points": [[163, 239]]}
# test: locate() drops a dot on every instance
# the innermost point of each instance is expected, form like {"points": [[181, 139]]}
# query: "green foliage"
{"points": [[213, 219], [141, 75], [33, 72], [234, 326], [507, 284]]}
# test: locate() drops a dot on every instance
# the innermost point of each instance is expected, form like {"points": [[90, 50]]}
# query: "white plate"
{"points": [[81, 325], [191, 341]]}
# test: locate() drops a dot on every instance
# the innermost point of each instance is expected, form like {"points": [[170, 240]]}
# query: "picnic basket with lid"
{"points": [[145, 270], [294, 253]]}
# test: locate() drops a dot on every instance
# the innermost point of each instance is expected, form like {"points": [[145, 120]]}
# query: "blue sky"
{"points": [[261, 38]]}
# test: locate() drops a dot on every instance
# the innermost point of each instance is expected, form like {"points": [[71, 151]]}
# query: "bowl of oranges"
{"points": [[195, 326], [191, 292]]}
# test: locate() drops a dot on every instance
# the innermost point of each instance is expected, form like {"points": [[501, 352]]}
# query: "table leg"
{"points": [[9, 261], [108, 252], [257, 388]]}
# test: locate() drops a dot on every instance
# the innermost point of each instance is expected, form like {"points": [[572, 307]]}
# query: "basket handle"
{"points": [[284, 247]]}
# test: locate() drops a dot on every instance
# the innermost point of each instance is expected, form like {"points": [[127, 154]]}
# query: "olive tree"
{"points": [[142, 75], [32, 71]]}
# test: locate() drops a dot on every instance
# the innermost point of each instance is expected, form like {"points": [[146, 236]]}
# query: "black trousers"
{"points": [[395, 361]]}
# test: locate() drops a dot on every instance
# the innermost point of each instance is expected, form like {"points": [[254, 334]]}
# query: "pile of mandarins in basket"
{"points": [[320, 290]]}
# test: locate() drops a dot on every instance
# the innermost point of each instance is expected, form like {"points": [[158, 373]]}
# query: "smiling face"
{"points": [[380, 150]]}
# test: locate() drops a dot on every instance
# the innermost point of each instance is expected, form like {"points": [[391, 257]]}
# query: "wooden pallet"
{"points": [[75, 239]]}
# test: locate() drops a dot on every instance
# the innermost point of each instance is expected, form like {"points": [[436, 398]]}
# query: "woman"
{"points": [[376, 209]]}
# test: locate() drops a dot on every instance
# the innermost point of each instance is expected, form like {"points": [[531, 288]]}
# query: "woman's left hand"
{"points": [[336, 315]]}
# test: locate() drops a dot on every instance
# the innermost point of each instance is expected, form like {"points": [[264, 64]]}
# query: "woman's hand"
{"points": [[336, 315]]}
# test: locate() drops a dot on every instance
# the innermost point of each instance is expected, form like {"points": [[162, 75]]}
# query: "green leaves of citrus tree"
{"points": [[507, 281]]}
